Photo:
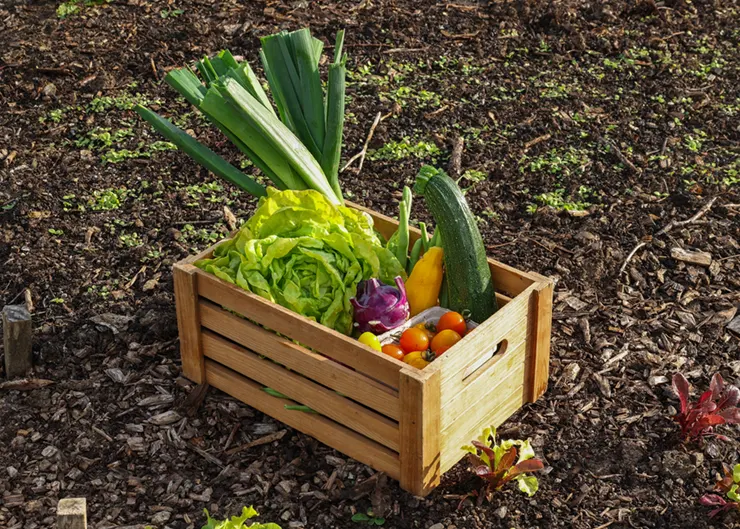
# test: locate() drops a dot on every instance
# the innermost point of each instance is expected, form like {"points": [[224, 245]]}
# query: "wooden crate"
{"points": [[406, 422]]}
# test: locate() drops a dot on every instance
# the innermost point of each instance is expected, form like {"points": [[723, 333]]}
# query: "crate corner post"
{"points": [[420, 458], [538, 360], [185, 279]]}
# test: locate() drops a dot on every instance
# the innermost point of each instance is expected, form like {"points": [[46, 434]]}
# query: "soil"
{"points": [[588, 127]]}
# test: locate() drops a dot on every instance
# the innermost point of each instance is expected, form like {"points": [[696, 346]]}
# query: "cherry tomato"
{"points": [[414, 339], [453, 321], [428, 328], [394, 351], [370, 340], [441, 350], [446, 338]]}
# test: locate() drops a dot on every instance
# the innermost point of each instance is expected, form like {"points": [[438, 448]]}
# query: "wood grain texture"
{"points": [[538, 361], [302, 390], [188, 321], [309, 333], [420, 431], [493, 412], [465, 353], [301, 360], [469, 396], [72, 513], [17, 340], [324, 430]]}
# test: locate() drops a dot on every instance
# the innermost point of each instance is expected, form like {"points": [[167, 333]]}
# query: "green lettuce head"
{"points": [[306, 254]]}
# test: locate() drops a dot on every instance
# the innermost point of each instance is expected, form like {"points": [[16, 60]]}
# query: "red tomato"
{"points": [[453, 321], [441, 350], [414, 339], [446, 338], [394, 351]]}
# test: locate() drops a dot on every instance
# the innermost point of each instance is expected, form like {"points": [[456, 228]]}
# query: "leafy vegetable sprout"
{"points": [[716, 406], [728, 485], [237, 522], [368, 518], [498, 463]]}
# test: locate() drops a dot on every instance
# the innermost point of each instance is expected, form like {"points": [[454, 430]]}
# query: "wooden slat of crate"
{"points": [[489, 333], [491, 412], [312, 365], [330, 342], [302, 390], [462, 396], [324, 430]]}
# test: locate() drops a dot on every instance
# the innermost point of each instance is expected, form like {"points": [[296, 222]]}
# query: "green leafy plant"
{"points": [[499, 462], [369, 518], [237, 522], [728, 485], [168, 13]]}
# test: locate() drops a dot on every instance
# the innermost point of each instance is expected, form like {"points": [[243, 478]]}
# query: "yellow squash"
{"points": [[425, 281]]}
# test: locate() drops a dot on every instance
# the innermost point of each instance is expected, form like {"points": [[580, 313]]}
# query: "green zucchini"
{"points": [[469, 283]]}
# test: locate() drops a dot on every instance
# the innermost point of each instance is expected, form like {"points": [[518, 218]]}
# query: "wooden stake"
{"points": [[17, 331], [72, 513]]}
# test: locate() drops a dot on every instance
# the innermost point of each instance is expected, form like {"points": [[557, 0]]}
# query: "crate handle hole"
{"points": [[485, 361]]}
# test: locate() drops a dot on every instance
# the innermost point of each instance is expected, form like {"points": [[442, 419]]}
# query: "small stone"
{"points": [[286, 516], [12, 472], [161, 517], [500, 512], [437, 526], [697, 458]]}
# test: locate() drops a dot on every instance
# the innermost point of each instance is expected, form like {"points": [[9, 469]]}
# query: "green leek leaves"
{"points": [[299, 150]]}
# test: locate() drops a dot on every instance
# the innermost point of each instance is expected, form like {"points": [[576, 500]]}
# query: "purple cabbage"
{"points": [[379, 307]]}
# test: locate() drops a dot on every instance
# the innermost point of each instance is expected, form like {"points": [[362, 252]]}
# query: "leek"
{"points": [[297, 147], [200, 153]]}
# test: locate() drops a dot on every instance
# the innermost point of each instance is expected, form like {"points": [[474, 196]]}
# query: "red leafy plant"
{"points": [[716, 406], [498, 463], [727, 485]]}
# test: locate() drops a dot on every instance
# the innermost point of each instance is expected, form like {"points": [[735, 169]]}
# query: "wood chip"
{"points": [[25, 384], [165, 418], [697, 257], [603, 384], [257, 442]]}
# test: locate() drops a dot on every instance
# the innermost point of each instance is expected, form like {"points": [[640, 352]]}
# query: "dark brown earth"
{"points": [[630, 109]]}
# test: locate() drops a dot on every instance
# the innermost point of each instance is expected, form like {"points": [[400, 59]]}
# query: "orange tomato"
{"points": [[453, 321], [394, 351], [440, 351], [446, 338], [414, 339]]}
